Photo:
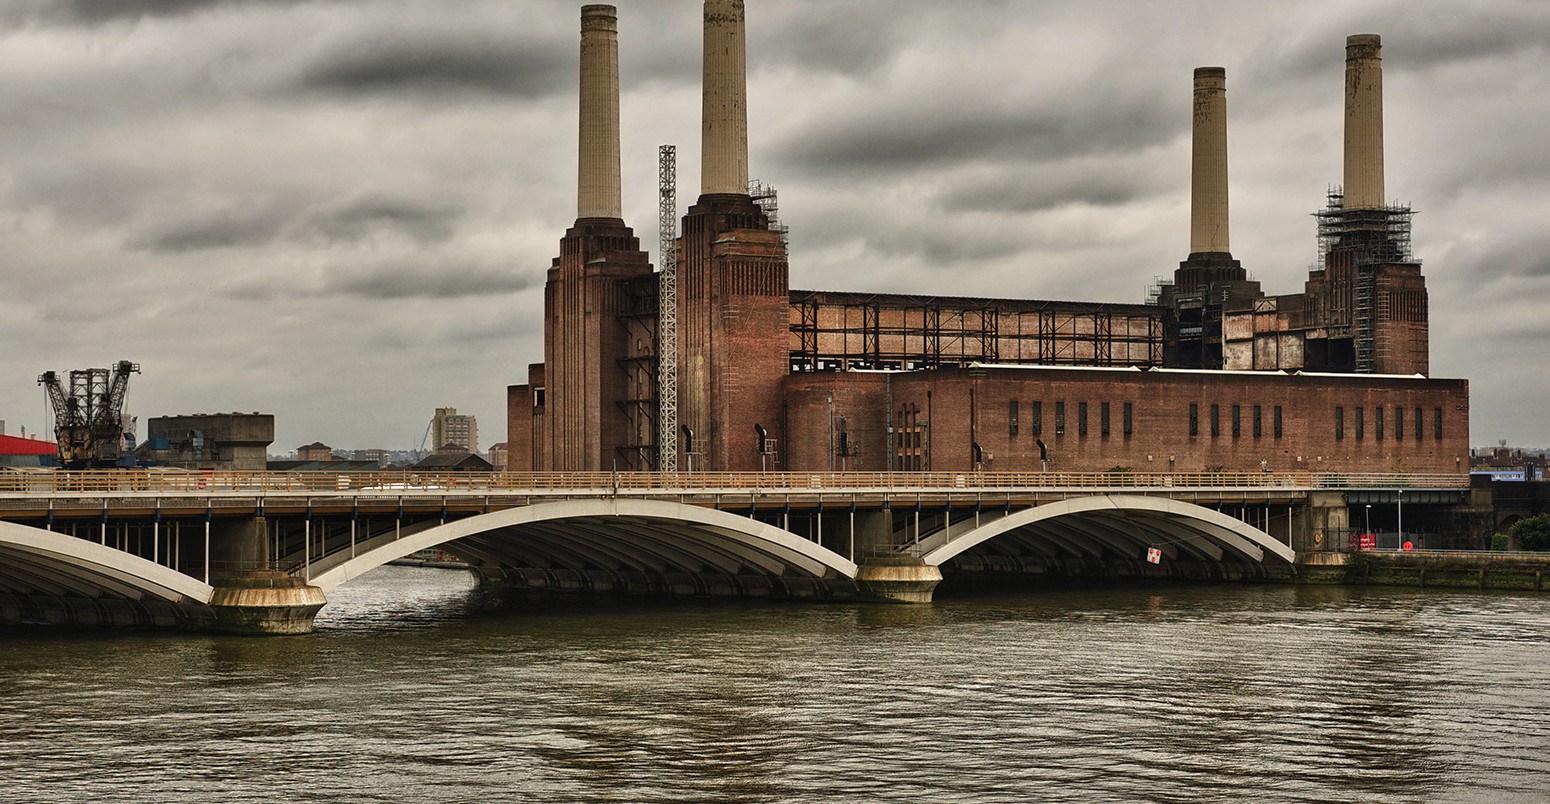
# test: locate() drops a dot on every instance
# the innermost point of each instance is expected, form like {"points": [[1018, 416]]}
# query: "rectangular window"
{"points": [[1129, 418], [1277, 422], [1081, 418], [1038, 418], [1437, 424], [1339, 423], [1420, 426], [1060, 418], [1103, 418], [1377, 423], [1194, 419], [1361, 423], [1258, 427], [1011, 417], [1399, 424], [1216, 420], [1237, 421]]}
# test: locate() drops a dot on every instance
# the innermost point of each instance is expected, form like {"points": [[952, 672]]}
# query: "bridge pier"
{"points": [[897, 579], [885, 575], [250, 596]]}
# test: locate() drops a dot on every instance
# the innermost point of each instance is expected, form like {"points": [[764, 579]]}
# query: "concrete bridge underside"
{"points": [[1108, 536], [643, 546]]}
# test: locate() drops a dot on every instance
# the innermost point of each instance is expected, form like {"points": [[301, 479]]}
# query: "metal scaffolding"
{"points": [[1377, 234], [667, 310], [837, 331], [1370, 238], [764, 196]]}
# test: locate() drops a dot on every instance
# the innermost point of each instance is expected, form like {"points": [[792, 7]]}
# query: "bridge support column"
{"points": [[251, 597], [897, 578], [874, 532], [1325, 524]]}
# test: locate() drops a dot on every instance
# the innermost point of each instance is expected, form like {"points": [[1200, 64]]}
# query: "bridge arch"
{"points": [[1126, 524], [35, 561], [603, 535]]}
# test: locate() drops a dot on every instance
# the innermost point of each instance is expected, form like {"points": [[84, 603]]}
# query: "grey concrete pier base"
{"points": [[897, 579], [265, 603]]}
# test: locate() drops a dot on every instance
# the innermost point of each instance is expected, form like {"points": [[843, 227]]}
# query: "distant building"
{"points": [[450, 427], [498, 456], [20, 453], [316, 451], [455, 462], [235, 441], [324, 466]]}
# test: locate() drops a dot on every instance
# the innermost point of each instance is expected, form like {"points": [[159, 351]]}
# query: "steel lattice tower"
{"points": [[667, 311]]}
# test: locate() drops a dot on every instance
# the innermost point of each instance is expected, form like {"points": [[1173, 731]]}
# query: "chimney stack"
{"points": [[724, 136], [1363, 122], [1208, 188], [597, 194]]}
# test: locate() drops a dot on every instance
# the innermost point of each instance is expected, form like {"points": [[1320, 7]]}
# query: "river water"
{"points": [[417, 687]]}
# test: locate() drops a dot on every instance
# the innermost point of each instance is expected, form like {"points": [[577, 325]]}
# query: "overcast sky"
{"points": [[341, 212]]}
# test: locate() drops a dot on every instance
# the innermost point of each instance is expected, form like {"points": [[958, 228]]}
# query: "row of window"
{"points": [[1036, 417], [1399, 423], [1235, 417]]}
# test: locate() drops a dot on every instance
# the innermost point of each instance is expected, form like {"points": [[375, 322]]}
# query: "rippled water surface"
{"points": [[416, 688]]}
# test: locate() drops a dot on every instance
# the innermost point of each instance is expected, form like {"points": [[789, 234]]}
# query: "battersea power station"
{"points": [[710, 361]]}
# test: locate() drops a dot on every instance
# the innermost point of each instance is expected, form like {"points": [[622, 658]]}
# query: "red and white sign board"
{"points": [[1154, 555]]}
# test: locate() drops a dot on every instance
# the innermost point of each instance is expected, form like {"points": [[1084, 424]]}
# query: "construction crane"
{"points": [[89, 414]]}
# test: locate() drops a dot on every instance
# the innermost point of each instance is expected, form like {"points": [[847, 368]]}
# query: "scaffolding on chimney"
{"points": [[1372, 237], [667, 310], [764, 196], [1376, 234]]}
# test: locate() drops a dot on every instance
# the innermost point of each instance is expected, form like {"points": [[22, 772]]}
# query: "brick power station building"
{"points": [[1212, 374]]}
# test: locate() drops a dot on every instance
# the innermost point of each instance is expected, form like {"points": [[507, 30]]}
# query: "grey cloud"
{"points": [[96, 11], [239, 228], [253, 226], [1029, 191], [428, 280], [464, 61], [1416, 37], [359, 218], [876, 140]]}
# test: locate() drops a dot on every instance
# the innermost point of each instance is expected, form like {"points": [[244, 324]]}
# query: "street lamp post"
{"points": [[1401, 515], [1369, 523]]}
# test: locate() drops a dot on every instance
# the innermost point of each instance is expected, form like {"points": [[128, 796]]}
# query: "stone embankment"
{"points": [[1458, 569]]}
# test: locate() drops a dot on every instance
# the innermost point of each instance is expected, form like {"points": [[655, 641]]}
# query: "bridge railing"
{"points": [[407, 483]]}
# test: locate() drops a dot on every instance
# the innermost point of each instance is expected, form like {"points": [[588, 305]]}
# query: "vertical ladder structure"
{"points": [[667, 311]]}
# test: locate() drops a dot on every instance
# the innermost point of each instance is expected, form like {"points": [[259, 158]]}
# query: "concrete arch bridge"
{"points": [[260, 552]]}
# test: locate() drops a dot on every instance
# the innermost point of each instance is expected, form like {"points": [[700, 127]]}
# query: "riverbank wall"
{"points": [[1456, 569]]}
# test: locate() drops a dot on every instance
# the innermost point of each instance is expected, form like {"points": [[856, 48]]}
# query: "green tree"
{"points": [[1534, 533]]}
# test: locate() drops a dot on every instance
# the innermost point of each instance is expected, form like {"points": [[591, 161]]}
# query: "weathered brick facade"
{"points": [[1094, 420]]}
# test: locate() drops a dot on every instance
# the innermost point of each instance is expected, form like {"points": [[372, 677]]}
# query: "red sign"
{"points": [[1154, 555], [1367, 541]]}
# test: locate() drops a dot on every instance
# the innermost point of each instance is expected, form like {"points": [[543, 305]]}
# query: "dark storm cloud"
{"points": [[96, 11], [882, 140], [1415, 39], [1032, 191], [362, 217], [852, 39], [428, 280], [451, 61], [347, 221], [236, 228]]}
